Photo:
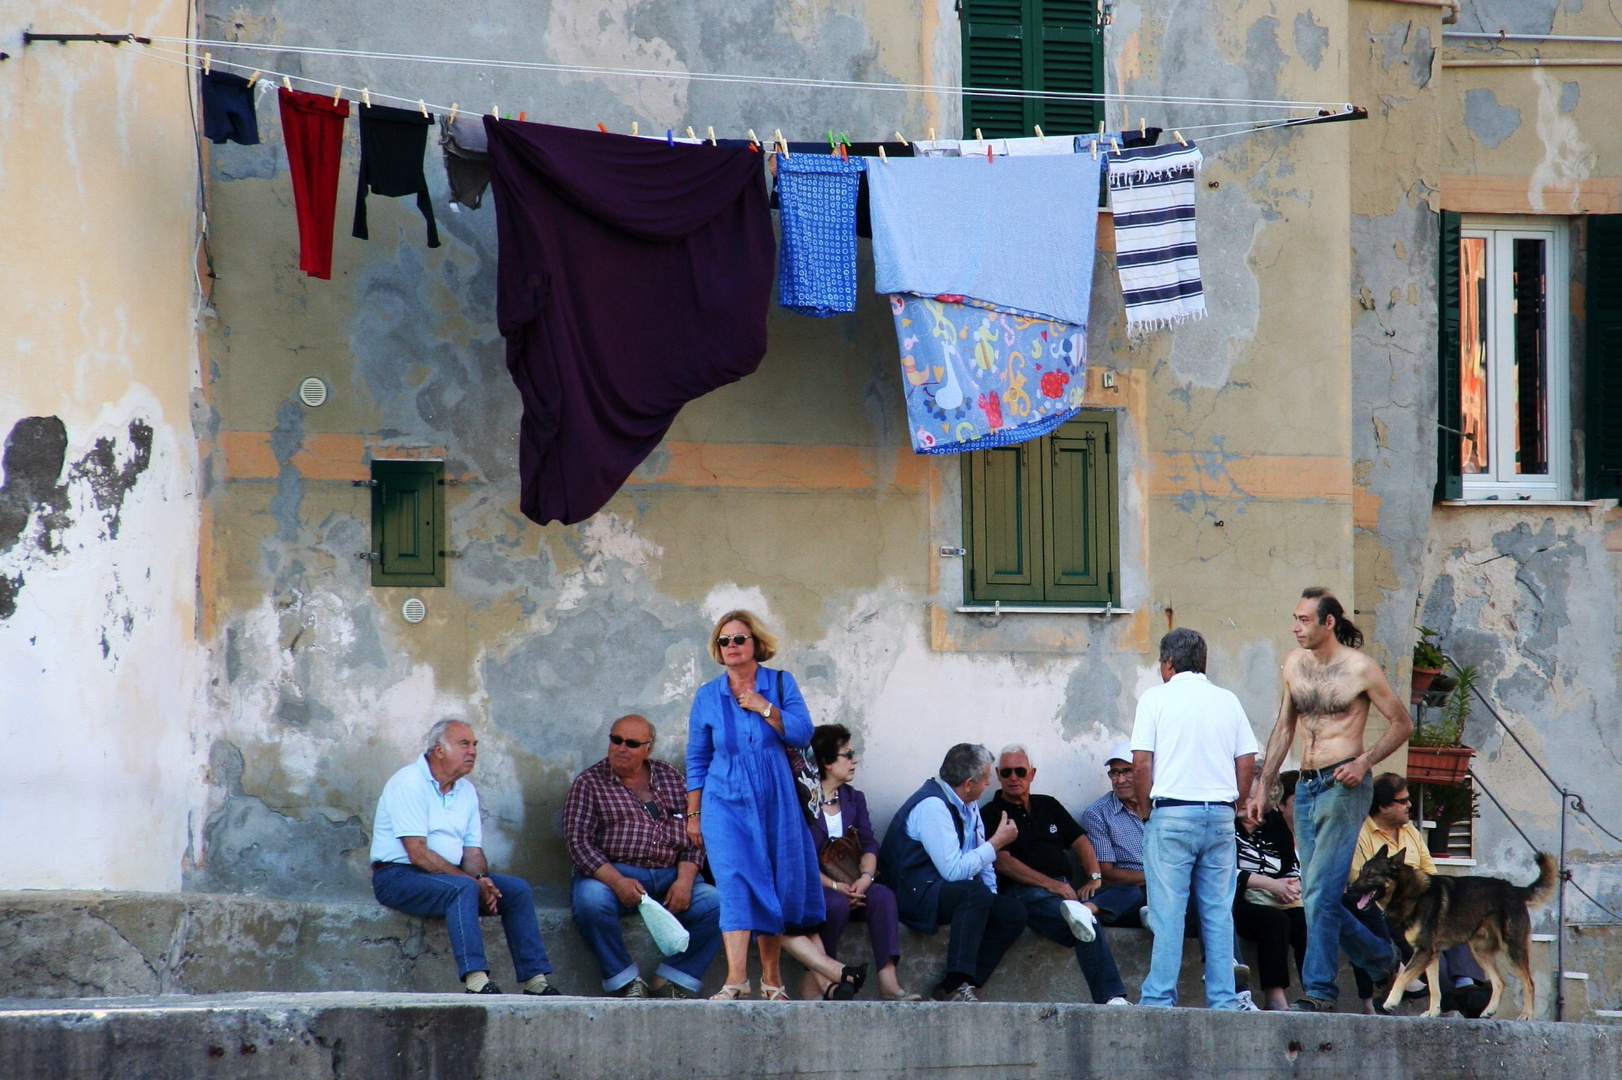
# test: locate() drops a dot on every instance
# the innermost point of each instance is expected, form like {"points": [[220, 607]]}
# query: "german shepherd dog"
{"points": [[1434, 913]]}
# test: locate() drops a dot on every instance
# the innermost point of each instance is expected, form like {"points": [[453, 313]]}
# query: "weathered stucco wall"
{"points": [[792, 492], [98, 506]]}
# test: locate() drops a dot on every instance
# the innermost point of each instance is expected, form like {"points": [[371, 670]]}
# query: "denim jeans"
{"points": [[1190, 849], [983, 926], [456, 900], [1118, 904], [1328, 816], [597, 912], [1042, 914]]}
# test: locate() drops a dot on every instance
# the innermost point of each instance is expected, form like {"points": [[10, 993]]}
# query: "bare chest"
{"points": [[1324, 690]]}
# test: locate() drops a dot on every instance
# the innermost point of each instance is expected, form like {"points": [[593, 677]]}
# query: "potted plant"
{"points": [[1427, 664], [1443, 805], [1435, 754]]}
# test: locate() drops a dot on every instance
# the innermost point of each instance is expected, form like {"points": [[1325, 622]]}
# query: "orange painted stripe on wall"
{"points": [[1283, 477]]}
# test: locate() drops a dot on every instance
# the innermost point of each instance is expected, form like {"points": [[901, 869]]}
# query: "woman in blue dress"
{"points": [[743, 806]]}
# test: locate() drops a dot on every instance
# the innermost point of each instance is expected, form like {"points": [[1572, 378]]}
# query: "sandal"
{"points": [[849, 984], [903, 996], [732, 992], [768, 992]]}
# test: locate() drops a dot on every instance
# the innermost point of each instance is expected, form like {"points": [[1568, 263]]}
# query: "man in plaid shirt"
{"points": [[625, 825]]}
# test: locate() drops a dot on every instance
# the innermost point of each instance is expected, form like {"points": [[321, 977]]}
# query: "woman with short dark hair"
{"points": [[849, 855]]}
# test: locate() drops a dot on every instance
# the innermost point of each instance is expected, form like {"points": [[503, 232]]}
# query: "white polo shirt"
{"points": [[412, 805], [1195, 731]]}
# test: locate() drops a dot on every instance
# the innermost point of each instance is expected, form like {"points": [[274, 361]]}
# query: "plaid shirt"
{"points": [[604, 822], [1116, 832]]}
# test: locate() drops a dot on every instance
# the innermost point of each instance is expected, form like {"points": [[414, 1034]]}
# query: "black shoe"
{"points": [[1312, 1005], [546, 991], [489, 988], [636, 988], [849, 984]]}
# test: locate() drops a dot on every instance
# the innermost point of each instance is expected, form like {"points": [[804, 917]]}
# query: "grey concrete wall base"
{"points": [[292, 1037]]}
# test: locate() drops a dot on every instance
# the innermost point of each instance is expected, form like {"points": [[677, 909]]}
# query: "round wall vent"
{"points": [[413, 610], [313, 392]]}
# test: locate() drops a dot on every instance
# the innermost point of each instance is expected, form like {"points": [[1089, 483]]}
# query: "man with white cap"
{"points": [[1113, 826]]}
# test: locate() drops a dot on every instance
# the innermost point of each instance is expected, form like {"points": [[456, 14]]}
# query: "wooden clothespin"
{"points": [[287, 84], [1178, 135], [366, 97], [1039, 134], [495, 112], [711, 132], [422, 107], [931, 135], [882, 155], [452, 118], [337, 92], [778, 134], [208, 62], [690, 134], [978, 137], [753, 139], [1143, 128], [251, 80], [902, 139], [1115, 144], [1093, 145], [633, 127]]}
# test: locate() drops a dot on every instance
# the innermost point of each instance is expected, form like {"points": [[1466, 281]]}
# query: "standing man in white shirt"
{"points": [[1192, 752], [428, 859]]}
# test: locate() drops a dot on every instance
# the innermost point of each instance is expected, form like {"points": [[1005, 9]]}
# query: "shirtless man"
{"points": [[1328, 688]]}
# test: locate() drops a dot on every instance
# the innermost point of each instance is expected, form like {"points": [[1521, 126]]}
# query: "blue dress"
{"points": [[755, 835]]}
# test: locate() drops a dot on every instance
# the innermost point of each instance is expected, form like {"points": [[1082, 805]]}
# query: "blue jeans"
{"points": [[1118, 904], [597, 912], [1190, 849], [456, 900], [1093, 957], [1328, 816]]}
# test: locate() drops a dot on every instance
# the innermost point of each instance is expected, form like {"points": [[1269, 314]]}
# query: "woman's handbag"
{"points": [[841, 857]]}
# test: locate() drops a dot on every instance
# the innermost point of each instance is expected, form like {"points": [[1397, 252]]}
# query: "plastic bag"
{"points": [[668, 932]]}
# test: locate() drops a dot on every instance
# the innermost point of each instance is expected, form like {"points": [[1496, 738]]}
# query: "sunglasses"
{"points": [[736, 639], [1017, 770], [1116, 774], [848, 755], [634, 744], [1405, 800]]}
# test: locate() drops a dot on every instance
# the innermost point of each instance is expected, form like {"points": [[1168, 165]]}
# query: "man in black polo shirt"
{"points": [[1035, 870]]}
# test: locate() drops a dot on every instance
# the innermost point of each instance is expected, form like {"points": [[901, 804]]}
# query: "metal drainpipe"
{"points": [[1534, 62], [1560, 918]]}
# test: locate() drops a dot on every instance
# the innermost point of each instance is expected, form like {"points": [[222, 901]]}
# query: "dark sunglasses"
{"points": [[634, 744], [848, 755], [1405, 800], [736, 639], [1116, 774], [1017, 770]]}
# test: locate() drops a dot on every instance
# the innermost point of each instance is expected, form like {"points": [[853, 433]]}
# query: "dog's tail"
{"points": [[1543, 888]]}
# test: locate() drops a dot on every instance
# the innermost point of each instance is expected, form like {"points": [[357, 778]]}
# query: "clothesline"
{"points": [[757, 80], [189, 60]]}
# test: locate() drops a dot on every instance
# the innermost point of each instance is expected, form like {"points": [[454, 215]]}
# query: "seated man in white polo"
{"points": [[428, 859]]}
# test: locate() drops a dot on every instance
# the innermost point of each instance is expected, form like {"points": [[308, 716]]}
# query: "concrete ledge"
{"points": [[292, 1037]]}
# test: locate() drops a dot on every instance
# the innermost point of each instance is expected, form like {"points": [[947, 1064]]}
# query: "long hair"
{"points": [[1345, 633]]}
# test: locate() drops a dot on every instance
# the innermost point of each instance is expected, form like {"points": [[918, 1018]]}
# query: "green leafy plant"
{"points": [[1448, 726], [1427, 654]]}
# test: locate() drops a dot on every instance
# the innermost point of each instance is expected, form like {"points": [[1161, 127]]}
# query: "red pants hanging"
{"points": [[313, 128]]}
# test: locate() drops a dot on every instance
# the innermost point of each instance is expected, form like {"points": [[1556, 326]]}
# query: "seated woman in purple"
{"points": [[841, 810]]}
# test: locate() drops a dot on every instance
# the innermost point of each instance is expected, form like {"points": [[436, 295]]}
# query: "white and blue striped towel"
{"points": [[1152, 194]]}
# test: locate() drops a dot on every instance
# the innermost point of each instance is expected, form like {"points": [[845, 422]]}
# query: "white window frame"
{"points": [[1501, 483]]}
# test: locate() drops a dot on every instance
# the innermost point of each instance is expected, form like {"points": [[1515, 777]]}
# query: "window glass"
{"points": [[1473, 347], [1531, 358]]}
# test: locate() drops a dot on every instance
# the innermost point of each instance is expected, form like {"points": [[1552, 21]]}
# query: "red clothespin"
{"points": [[601, 128], [988, 153], [520, 116]]}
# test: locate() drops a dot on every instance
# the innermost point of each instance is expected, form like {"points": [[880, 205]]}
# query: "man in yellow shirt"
{"points": [[1388, 825]]}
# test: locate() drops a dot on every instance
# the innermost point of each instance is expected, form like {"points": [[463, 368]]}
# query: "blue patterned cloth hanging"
{"points": [[977, 376], [816, 264]]}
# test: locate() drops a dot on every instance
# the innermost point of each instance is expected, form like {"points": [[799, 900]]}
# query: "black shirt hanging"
{"points": [[392, 145]]}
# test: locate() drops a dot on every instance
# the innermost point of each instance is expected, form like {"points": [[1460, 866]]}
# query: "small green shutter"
{"points": [[1603, 377], [1078, 497], [408, 523], [1449, 467], [994, 58], [1072, 62], [1001, 518]]}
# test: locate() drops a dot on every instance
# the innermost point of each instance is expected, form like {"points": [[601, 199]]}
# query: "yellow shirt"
{"points": [[1371, 838]]}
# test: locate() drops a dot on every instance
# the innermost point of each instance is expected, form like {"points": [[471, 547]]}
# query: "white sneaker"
{"points": [[1117, 1000], [1079, 919], [1244, 1004]]}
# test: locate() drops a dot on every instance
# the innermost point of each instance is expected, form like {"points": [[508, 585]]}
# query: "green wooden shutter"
{"points": [[1449, 469], [1001, 511], [1072, 62], [408, 523], [994, 57], [1078, 514], [1603, 377]]}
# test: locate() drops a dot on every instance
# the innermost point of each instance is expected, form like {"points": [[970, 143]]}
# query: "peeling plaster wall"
{"points": [[792, 492], [98, 480]]}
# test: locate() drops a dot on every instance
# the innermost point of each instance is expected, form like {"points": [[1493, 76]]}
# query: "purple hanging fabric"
{"points": [[632, 277]]}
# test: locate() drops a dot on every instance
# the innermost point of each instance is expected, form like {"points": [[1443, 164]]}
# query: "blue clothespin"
{"points": [[669, 138]]}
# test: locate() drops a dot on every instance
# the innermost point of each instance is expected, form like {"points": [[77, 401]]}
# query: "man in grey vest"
{"points": [[938, 861]]}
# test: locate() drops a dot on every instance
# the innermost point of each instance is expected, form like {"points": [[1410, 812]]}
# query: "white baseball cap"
{"points": [[1121, 752]]}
